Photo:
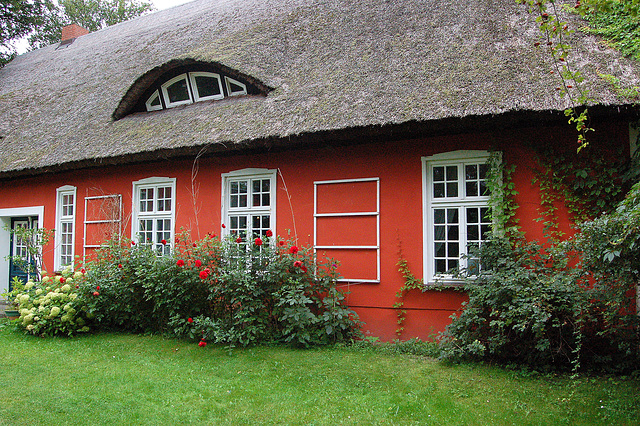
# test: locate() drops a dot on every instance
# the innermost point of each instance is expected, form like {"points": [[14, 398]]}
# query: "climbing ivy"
{"points": [[588, 183]]}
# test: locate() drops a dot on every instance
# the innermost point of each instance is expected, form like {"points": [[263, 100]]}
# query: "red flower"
{"points": [[204, 275], [207, 270], [97, 287], [84, 271], [198, 263], [239, 240], [180, 262], [95, 293], [202, 343], [258, 241], [190, 320], [164, 242], [133, 243], [120, 265], [62, 280], [297, 264], [282, 242], [269, 233], [304, 268], [195, 245], [223, 226], [293, 249]]}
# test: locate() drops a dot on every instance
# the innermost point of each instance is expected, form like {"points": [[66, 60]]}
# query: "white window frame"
{"points": [[150, 107], [228, 81], [62, 218], [195, 90], [155, 214], [248, 175], [429, 203], [165, 93]]}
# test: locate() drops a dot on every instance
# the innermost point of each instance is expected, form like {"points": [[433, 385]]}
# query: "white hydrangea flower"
{"points": [[38, 292], [66, 288], [28, 285], [54, 312]]}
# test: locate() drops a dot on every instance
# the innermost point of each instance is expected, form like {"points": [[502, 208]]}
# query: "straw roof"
{"points": [[333, 70]]}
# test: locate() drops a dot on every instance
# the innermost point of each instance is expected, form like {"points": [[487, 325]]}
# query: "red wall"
{"points": [[397, 165]]}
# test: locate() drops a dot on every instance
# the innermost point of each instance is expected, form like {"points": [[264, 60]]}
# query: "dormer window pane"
{"points": [[234, 87], [206, 86], [178, 91], [153, 103]]}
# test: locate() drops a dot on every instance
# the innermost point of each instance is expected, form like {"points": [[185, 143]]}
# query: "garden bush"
{"points": [[233, 291], [52, 306]]}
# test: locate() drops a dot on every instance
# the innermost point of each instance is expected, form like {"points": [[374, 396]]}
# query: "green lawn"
{"points": [[120, 379]]}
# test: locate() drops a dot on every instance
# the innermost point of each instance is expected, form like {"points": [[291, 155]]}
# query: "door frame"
{"points": [[5, 236]]}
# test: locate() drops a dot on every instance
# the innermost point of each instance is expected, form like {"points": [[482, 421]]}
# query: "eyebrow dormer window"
{"points": [[193, 87], [186, 81]]}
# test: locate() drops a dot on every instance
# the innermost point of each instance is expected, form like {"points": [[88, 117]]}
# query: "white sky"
{"points": [[163, 4]]}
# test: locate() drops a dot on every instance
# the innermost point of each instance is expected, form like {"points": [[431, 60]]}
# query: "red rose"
{"points": [[304, 268], [258, 241], [198, 263], [120, 265], [195, 245], [239, 240], [204, 275], [207, 270], [190, 320], [223, 226], [202, 343], [97, 287], [282, 243], [180, 262], [293, 249], [95, 293], [84, 271], [62, 280], [133, 243], [297, 264], [269, 233], [164, 242]]}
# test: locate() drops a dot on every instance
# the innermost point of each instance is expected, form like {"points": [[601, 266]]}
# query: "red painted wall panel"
{"points": [[397, 165]]}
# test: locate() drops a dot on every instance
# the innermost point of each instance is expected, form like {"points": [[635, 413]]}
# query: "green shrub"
{"points": [[272, 291], [53, 306], [532, 306]]}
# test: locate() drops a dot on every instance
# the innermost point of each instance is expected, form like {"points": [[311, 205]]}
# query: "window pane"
{"points": [[452, 215], [438, 190], [438, 233], [472, 189], [439, 249], [472, 215], [178, 91], [208, 86], [452, 189], [438, 174], [438, 216], [452, 173]]}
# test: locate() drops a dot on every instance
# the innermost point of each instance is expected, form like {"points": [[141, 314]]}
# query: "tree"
{"points": [[17, 19], [90, 14]]}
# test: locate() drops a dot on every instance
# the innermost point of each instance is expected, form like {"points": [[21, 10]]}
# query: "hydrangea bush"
{"points": [[52, 306]]}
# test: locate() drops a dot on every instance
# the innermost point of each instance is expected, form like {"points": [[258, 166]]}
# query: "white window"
{"points": [[249, 202], [65, 226], [176, 91], [456, 213], [234, 87], [206, 86], [154, 103], [154, 213]]}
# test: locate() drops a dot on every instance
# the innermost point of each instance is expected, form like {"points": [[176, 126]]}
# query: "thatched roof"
{"points": [[334, 67]]}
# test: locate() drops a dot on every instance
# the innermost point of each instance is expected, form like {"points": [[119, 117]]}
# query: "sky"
{"points": [[163, 4]]}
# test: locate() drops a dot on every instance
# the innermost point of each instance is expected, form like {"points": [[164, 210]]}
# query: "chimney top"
{"points": [[72, 31]]}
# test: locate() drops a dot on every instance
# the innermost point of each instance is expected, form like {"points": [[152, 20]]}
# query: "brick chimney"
{"points": [[72, 31]]}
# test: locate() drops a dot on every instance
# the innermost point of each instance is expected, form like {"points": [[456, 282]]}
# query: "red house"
{"points": [[360, 128]]}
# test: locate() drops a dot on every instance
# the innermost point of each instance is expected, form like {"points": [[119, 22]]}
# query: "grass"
{"points": [[129, 380]]}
